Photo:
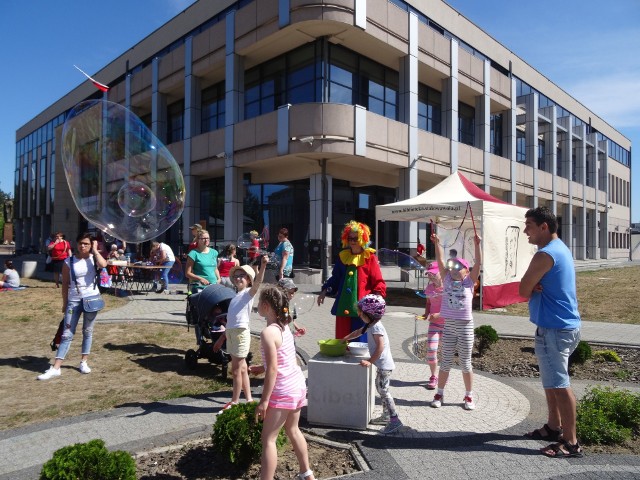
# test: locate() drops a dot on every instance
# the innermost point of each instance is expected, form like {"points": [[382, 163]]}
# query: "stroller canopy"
{"points": [[211, 296]]}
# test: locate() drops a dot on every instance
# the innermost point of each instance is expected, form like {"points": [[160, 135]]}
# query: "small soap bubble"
{"points": [[136, 199], [303, 302], [121, 177]]}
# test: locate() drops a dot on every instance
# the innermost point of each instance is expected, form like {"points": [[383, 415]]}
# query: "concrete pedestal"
{"points": [[340, 391], [28, 269]]}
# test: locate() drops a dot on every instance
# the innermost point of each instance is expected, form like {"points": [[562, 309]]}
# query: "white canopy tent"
{"points": [[454, 206]]}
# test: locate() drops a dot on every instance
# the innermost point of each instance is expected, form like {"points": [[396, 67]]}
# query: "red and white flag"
{"points": [[100, 86]]}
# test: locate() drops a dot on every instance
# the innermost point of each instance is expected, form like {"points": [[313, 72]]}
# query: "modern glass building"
{"points": [[306, 114]]}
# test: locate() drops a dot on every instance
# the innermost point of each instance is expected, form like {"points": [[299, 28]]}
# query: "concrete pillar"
{"points": [[531, 140], [604, 185], [483, 126], [234, 113], [408, 178], [550, 135], [192, 116], [567, 227], [509, 141], [158, 104], [592, 155], [450, 106], [580, 131]]}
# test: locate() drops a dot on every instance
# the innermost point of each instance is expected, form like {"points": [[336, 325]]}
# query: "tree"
{"points": [[4, 196]]}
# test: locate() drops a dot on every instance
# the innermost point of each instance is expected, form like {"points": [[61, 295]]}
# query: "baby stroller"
{"points": [[207, 313]]}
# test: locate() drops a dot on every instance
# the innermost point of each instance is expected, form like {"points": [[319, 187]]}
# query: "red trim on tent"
{"points": [[501, 295], [476, 191]]}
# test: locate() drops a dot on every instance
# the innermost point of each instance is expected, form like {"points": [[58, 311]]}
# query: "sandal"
{"points": [[563, 449], [553, 435]]}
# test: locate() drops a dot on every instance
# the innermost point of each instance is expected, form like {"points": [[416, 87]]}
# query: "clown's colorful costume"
{"points": [[353, 277]]}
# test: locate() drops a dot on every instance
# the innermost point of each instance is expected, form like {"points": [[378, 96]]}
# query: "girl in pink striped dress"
{"points": [[284, 392], [433, 292]]}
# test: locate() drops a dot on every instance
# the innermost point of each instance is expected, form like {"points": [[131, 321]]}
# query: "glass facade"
{"points": [[269, 207], [297, 77]]}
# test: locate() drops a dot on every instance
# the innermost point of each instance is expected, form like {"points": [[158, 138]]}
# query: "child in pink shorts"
{"points": [[285, 390], [433, 293]]}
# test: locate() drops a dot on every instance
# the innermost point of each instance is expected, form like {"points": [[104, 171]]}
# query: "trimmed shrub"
{"points": [[237, 435], [607, 356], [607, 416], [581, 354], [89, 461], [486, 336]]}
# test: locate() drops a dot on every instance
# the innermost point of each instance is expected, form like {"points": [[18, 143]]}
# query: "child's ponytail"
{"points": [[278, 299]]}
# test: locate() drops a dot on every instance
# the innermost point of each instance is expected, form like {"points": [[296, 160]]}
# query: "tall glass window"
{"points": [[521, 149], [429, 109], [212, 208], [466, 123], [496, 134], [42, 194], [213, 108], [541, 158], [175, 121]]}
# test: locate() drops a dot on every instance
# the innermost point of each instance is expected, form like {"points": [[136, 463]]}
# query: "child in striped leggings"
{"points": [[458, 284], [433, 293]]}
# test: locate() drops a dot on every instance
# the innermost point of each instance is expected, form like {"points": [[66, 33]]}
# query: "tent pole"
{"points": [[481, 265]]}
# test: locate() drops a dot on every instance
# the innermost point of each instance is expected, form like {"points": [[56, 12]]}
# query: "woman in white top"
{"points": [[83, 285], [10, 277]]}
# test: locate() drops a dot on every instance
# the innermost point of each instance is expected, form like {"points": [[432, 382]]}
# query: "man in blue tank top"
{"points": [[550, 285]]}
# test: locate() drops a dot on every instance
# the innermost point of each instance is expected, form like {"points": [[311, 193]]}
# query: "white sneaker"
{"points": [[52, 372], [84, 368], [437, 401], [469, 404]]}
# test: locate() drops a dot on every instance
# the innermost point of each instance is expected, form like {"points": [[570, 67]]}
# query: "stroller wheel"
{"points": [[191, 359]]}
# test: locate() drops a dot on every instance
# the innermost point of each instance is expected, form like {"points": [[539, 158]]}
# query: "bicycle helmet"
{"points": [[373, 305]]}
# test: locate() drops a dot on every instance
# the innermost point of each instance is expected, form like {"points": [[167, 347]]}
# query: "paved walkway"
{"points": [[448, 442]]}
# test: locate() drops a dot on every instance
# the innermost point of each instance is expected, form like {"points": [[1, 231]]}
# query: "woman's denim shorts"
{"points": [[553, 347]]}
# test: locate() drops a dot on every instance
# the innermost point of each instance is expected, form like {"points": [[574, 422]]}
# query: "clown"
{"points": [[355, 274]]}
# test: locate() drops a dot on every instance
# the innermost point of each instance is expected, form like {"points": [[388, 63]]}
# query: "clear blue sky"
{"points": [[587, 50]]}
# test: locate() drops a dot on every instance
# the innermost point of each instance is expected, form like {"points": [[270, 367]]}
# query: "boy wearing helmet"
{"points": [[371, 308]]}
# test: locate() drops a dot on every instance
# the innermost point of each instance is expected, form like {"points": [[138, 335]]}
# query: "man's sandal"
{"points": [[563, 449], [552, 435]]}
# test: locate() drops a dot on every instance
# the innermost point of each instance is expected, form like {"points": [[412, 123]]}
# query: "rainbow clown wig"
{"points": [[363, 231]]}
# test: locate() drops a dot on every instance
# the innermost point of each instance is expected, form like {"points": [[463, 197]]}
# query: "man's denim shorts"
{"points": [[553, 347]]}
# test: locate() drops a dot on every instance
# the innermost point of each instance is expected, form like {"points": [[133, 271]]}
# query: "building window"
{"points": [[378, 88], [541, 158], [213, 108], [466, 123], [212, 208], [496, 134], [429, 109], [175, 121], [42, 194], [52, 181], [354, 79], [521, 147]]}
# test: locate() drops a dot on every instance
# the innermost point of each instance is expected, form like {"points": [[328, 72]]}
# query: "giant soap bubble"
{"points": [[121, 177]]}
